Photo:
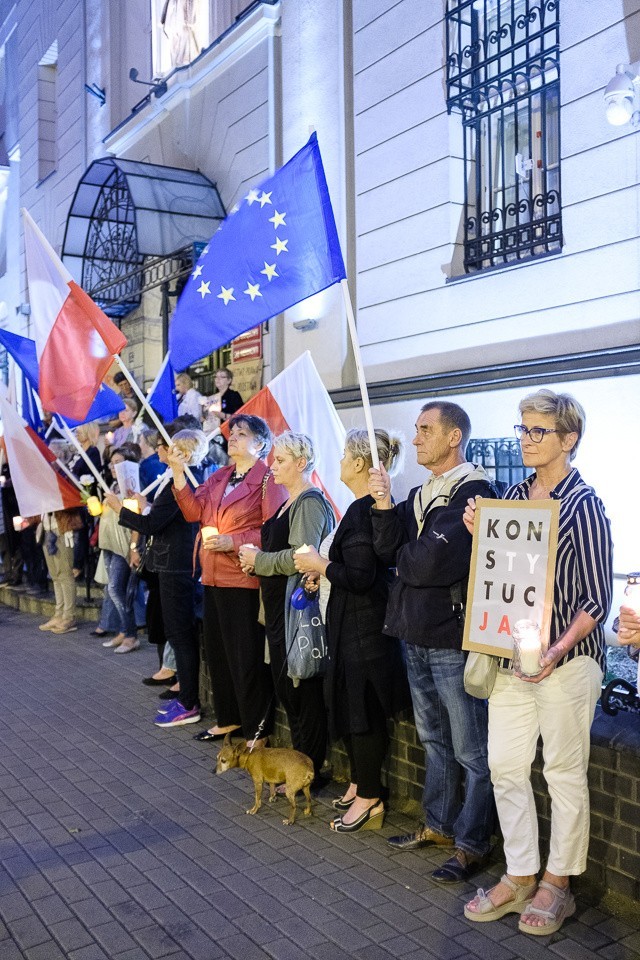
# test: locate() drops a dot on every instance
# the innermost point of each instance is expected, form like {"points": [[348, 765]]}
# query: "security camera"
{"points": [[621, 95]]}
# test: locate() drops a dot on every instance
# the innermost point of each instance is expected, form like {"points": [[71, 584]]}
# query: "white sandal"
{"points": [[522, 897], [562, 906]]}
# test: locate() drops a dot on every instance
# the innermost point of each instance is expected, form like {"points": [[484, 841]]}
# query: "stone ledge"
{"points": [[45, 606]]}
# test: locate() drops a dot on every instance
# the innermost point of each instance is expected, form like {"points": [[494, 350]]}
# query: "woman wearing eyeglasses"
{"points": [[559, 703]]}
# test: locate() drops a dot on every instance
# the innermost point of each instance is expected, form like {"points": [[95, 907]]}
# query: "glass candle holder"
{"points": [[305, 548], [528, 648], [208, 532], [94, 506]]}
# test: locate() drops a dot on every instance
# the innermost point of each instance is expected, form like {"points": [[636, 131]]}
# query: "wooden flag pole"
{"points": [[147, 406], [366, 406], [71, 437]]}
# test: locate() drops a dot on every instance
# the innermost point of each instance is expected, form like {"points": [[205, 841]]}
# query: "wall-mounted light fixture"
{"points": [[158, 88], [304, 325], [622, 95]]}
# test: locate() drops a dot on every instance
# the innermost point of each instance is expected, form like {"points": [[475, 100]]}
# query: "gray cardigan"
{"points": [[311, 519]]}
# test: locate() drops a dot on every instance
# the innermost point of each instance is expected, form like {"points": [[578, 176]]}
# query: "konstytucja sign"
{"points": [[512, 571]]}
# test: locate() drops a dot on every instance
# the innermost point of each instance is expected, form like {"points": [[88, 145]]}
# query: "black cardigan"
{"points": [[359, 588], [173, 538], [420, 608]]}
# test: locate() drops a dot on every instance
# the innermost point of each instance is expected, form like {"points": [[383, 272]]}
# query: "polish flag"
{"points": [[37, 484], [75, 340], [297, 400]]}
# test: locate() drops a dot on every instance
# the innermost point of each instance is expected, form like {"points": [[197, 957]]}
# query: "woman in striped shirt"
{"points": [[559, 703]]}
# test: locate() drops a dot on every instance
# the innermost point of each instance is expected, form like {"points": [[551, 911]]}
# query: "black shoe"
{"points": [[167, 682], [423, 837], [460, 868], [341, 804], [204, 735], [101, 633], [169, 694]]}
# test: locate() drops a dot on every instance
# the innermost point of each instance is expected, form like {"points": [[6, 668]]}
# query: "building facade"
{"points": [[488, 211]]}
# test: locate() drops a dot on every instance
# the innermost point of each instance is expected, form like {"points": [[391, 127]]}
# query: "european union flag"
{"points": [[23, 350], [30, 412], [162, 395], [279, 247]]}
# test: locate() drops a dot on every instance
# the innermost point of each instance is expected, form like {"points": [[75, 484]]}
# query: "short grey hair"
{"points": [[568, 414], [192, 442], [390, 448], [150, 436], [297, 445]]}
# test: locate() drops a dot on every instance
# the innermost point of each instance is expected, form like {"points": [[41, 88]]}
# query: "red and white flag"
{"points": [[75, 340], [297, 400], [38, 486]]}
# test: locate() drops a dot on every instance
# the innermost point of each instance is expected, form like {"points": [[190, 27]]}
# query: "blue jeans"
{"points": [[452, 727], [119, 571]]}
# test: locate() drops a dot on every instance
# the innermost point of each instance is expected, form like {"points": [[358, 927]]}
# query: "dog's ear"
{"points": [[227, 741], [241, 747]]}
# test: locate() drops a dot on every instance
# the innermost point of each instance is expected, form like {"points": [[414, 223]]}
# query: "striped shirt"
{"points": [[584, 573]]}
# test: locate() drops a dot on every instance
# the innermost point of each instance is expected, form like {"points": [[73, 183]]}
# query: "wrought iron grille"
{"points": [[501, 458], [503, 76]]}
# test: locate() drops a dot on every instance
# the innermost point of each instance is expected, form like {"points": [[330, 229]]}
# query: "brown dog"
{"points": [[272, 766]]}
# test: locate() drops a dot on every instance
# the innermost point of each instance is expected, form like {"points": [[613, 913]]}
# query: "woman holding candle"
{"points": [[170, 557], [305, 518], [366, 681], [558, 701], [231, 506]]}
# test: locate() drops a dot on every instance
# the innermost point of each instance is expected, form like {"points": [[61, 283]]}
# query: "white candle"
{"points": [[17, 524], [109, 436], [305, 548], [526, 635], [94, 506], [131, 504], [208, 532]]}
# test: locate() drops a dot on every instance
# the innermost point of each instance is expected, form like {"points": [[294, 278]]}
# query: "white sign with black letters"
{"points": [[512, 571]]}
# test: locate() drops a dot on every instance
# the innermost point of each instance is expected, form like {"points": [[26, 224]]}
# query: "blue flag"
{"points": [[162, 395], [30, 412], [106, 404], [280, 247]]}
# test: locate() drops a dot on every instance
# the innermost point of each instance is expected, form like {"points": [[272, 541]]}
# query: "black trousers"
{"points": [[304, 706], [178, 600], [234, 650], [366, 751]]}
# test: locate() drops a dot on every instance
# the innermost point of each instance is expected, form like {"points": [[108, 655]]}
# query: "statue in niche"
{"points": [[178, 22]]}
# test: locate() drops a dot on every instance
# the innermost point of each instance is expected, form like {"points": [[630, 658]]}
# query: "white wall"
{"points": [[409, 193]]}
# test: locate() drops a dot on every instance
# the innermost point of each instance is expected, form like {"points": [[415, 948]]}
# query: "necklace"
{"points": [[236, 477]]}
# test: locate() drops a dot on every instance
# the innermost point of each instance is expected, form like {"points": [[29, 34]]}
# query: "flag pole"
{"points": [[147, 406], [366, 405], [74, 480], [70, 435]]}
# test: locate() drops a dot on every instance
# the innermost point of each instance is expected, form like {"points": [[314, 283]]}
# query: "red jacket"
{"points": [[240, 515]]}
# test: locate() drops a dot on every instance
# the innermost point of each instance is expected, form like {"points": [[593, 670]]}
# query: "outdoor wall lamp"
{"points": [[622, 96]]}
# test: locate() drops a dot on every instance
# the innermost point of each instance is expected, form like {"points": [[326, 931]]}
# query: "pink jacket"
{"points": [[240, 515]]}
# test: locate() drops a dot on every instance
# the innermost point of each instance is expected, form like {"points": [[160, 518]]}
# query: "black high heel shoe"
{"points": [[341, 804], [371, 819]]}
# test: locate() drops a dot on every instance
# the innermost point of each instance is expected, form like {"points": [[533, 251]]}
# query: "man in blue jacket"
{"points": [[425, 539]]}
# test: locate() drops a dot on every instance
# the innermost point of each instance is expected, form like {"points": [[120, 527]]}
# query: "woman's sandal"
{"points": [[371, 819], [522, 896], [562, 906], [341, 804]]}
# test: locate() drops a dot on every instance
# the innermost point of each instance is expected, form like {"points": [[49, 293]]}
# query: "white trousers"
{"points": [[560, 709]]}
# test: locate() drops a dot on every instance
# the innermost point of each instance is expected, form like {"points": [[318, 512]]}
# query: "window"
{"points": [[47, 112], [501, 458], [180, 32], [503, 77]]}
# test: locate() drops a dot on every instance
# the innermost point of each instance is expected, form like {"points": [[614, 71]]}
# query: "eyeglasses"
{"points": [[535, 434]]}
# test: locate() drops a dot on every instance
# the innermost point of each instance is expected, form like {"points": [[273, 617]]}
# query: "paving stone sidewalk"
{"points": [[118, 843]]}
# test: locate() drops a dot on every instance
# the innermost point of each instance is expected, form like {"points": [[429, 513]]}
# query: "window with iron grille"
{"points": [[501, 458], [503, 76]]}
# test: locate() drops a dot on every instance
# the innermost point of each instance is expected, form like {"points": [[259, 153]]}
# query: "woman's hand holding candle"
{"points": [[307, 560], [247, 555]]}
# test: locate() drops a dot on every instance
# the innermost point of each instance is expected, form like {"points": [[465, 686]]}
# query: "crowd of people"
{"points": [[223, 550]]}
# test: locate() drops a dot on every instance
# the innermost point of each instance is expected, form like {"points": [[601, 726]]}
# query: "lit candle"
{"points": [[132, 505], [94, 506], [527, 647], [305, 548], [208, 532], [109, 436], [17, 524]]}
